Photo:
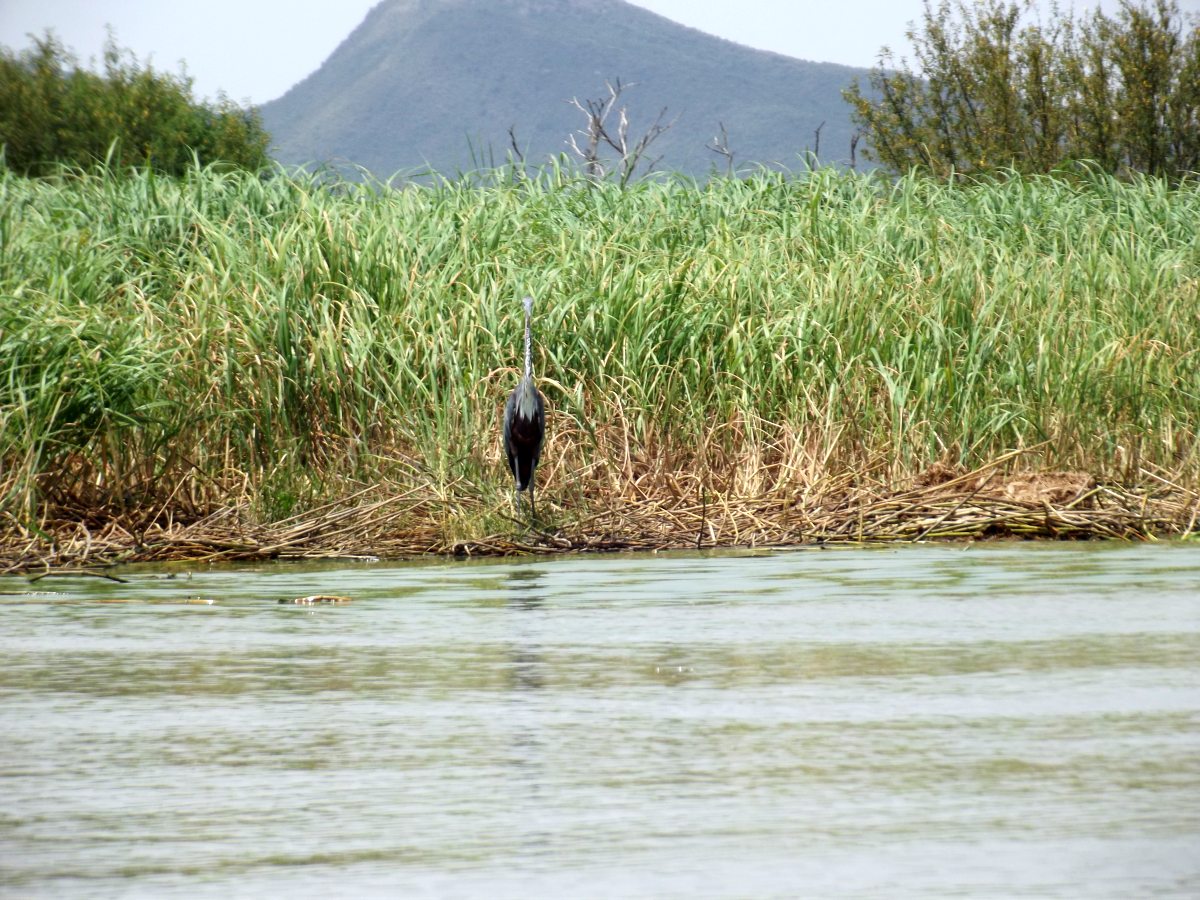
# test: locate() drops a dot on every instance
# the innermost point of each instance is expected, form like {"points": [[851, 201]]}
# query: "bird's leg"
{"points": [[532, 507]]}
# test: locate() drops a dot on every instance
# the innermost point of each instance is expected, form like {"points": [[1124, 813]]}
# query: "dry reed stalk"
{"points": [[651, 510]]}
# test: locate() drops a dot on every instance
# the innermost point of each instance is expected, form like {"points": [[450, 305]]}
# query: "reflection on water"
{"points": [[992, 721], [525, 659]]}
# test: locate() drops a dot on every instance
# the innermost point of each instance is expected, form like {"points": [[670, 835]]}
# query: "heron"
{"points": [[525, 423]]}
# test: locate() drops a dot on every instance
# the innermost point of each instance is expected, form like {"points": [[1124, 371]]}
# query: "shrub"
{"points": [[991, 93], [52, 112]]}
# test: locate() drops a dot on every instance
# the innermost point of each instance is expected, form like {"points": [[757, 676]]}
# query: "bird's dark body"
{"points": [[524, 430], [525, 424]]}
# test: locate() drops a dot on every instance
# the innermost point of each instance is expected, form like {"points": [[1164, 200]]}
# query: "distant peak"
{"points": [[427, 6], [453, 85]]}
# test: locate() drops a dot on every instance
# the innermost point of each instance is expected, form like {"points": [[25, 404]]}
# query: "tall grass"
{"points": [[169, 346]]}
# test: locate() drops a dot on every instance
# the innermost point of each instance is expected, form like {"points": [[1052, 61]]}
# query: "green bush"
{"points": [[54, 112], [990, 93]]}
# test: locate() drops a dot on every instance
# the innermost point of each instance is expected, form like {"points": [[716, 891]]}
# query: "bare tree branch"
{"points": [[720, 146], [517, 153], [812, 154], [586, 143]]}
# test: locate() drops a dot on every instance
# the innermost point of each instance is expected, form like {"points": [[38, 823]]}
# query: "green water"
{"points": [[1009, 720]]}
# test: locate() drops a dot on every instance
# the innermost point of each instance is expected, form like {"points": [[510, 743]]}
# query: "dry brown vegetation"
{"points": [[630, 502]]}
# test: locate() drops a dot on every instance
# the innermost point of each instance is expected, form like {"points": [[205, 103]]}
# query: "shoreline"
{"points": [[942, 505]]}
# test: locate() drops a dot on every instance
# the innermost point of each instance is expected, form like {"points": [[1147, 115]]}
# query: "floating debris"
{"points": [[74, 572], [318, 598], [157, 601]]}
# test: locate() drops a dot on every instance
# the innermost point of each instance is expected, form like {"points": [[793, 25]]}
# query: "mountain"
{"points": [[441, 82]]}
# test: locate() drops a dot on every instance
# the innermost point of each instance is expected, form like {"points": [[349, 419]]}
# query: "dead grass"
{"points": [[651, 510]]}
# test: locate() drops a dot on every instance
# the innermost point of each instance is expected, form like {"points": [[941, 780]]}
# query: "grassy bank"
{"points": [[224, 364]]}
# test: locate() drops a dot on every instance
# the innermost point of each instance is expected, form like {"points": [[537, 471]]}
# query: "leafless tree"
{"points": [[518, 154], [812, 156], [720, 146], [601, 133]]}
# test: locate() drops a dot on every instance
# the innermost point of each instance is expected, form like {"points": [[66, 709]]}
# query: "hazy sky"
{"points": [[254, 50]]}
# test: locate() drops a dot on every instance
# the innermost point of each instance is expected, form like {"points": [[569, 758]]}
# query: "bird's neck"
{"points": [[528, 349], [527, 398]]}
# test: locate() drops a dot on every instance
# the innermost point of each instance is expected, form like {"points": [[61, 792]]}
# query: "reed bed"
{"points": [[224, 366]]}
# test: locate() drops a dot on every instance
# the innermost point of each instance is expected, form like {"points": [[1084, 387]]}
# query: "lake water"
{"points": [[1003, 720]]}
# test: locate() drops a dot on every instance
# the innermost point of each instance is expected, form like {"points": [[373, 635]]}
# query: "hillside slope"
{"points": [[441, 82]]}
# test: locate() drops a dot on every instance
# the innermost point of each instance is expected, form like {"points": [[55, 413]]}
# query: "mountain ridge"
{"points": [[431, 82]]}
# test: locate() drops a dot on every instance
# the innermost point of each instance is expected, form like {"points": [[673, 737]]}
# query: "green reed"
{"points": [[225, 337]]}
